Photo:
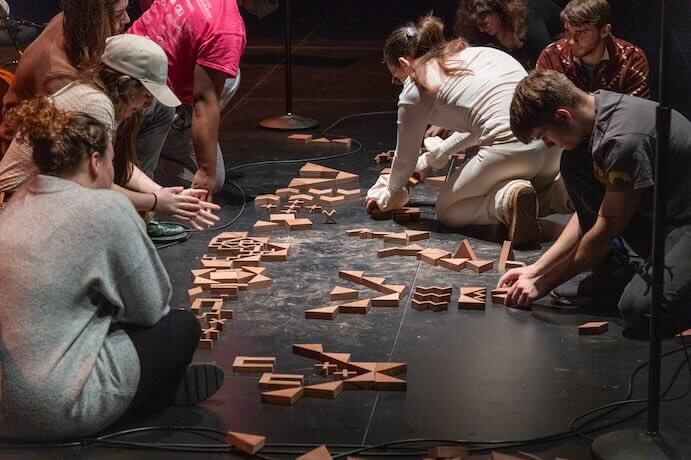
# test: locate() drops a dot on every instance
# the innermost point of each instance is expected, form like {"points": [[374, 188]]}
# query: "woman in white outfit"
{"points": [[467, 90]]}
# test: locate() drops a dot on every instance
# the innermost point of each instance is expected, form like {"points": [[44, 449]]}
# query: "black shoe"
{"points": [[601, 288], [200, 382]]}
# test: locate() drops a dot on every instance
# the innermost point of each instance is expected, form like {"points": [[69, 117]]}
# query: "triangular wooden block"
{"points": [[281, 218], [432, 256], [472, 299], [360, 307], [329, 390], [397, 238], [465, 251], [360, 382], [286, 397], [320, 453], [299, 138], [322, 313], [255, 270], [372, 281], [248, 443], [263, 226], [389, 300], [383, 382], [309, 350], [417, 235], [202, 272], [410, 250], [479, 266], [350, 275], [391, 368], [204, 283], [342, 293], [337, 358], [259, 282], [506, 255], [312, 170], [279, 246], [360, 367], [499, 295], [305, 183], [453, 264], [392, 288]]}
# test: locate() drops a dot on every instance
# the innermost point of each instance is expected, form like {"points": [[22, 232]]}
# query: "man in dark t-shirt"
{"points": [[620, 134]]}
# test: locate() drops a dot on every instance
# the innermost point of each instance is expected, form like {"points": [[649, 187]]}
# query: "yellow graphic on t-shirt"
{"points": [[610, 177]]}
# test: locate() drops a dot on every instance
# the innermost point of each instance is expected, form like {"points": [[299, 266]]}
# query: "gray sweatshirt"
{"points": [[73, 261]]}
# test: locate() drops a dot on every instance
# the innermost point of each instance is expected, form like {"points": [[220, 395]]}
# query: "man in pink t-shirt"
{"points": [[204, 40]]}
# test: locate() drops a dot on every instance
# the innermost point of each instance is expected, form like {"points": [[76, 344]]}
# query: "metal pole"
{"points": [[662, 122], [289, 64]]}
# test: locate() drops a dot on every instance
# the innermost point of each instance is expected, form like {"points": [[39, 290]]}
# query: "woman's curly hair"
{"points": [[470, 14]]}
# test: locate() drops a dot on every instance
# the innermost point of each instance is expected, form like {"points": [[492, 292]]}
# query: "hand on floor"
{"points": [[206, 181], [383, 198]]}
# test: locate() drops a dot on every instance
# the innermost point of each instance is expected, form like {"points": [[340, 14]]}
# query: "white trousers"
{"points": [[478, 192]]}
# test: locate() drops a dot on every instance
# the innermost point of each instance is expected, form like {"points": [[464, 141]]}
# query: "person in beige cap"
{"points": [[133, 71]]}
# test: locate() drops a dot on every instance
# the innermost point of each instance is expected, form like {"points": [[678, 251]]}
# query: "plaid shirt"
{"points": [[623, 69]]}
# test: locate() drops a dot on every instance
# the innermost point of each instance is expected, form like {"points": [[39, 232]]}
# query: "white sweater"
{"points": [[474, 104], [17, 166]]}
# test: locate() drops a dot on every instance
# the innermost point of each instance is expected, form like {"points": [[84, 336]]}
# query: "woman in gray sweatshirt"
{"points": [[86, 333]]}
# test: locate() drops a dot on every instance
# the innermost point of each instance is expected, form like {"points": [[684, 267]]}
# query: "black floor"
{"points": [[500, 374]]}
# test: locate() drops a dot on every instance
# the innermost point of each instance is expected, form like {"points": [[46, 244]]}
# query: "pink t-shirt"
{"points": [[210, 33]]}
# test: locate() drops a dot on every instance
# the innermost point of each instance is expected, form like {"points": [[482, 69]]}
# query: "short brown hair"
{"points": [[536, 100], [587, 12]]}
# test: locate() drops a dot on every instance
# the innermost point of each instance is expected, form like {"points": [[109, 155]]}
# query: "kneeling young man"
{"points": [[621, 139]]}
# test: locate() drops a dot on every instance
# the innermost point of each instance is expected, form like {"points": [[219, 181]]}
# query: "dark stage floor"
{"points": [[498, 374]]}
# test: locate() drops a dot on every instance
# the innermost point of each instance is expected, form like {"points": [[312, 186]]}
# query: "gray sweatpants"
{"points": [[168, 154]]}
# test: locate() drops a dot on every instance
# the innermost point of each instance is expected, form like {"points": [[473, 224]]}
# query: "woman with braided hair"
{"points": [[87, 334], [467, 90]]}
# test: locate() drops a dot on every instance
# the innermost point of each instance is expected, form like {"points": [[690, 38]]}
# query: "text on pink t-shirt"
{"points": [[210, 33]]}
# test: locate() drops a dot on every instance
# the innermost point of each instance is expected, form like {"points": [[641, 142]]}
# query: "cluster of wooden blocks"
{"points": [[321, 143], [391, 297], [401, 216], [404, 237], [384, 157], [431, 298], [213, 318], [314, 176]]}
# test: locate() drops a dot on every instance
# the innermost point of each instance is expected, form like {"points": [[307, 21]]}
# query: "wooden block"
{"points": [[389, 300], [419, 306], [397, 238], [250, 261], [514, 264], [312, 170], [195, 292], [284, 193], [299, 138], [472, 298], [384, 157], [388, 252], [299, 224], [301, 197], [359, 307], [287, 397], [205, 344], [214, 304], [204, 283], [452, 264], [360, 367], [328, 390], [213, 262], [273, 381], [366, 234], [684, 337], [320, 453], [436, 181], [320, 144], [232, 276], [329, 216], [391, 288], [326, 369], [253, 364], [259, 282], [340, 359], [274, 256], [593, 328], [412, 182], [224, 289], [260, 200], [465, 251], [448, 452], [360, 382], [309, 350], [505, 255], [380, 235], [345, 374], [410, 250], [355, 231], [431, 297], [479, 266], [431, 256], [499, 295], [331, 200], [327, 313], [218, 323], [281, 218], [350, 275], [212, 334], [391, 368], [226, 314], [263, 226], [248, 443], [341, 145], [342, 293], [350, 194], [203, 272], [320, 192], [383, 382], [417, 235]]}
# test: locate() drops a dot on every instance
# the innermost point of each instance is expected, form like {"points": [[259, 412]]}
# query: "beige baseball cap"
{"points": [[141, 58]]}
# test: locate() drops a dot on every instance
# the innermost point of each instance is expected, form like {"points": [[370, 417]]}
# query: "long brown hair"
{"points": [[121, 89], [61, 141], [87, 24], [424, 41], [470, 13]]}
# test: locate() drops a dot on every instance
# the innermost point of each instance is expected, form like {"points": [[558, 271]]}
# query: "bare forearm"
{"points": [[140, 182], [561, 248], [205, 123], [141, 201]]}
